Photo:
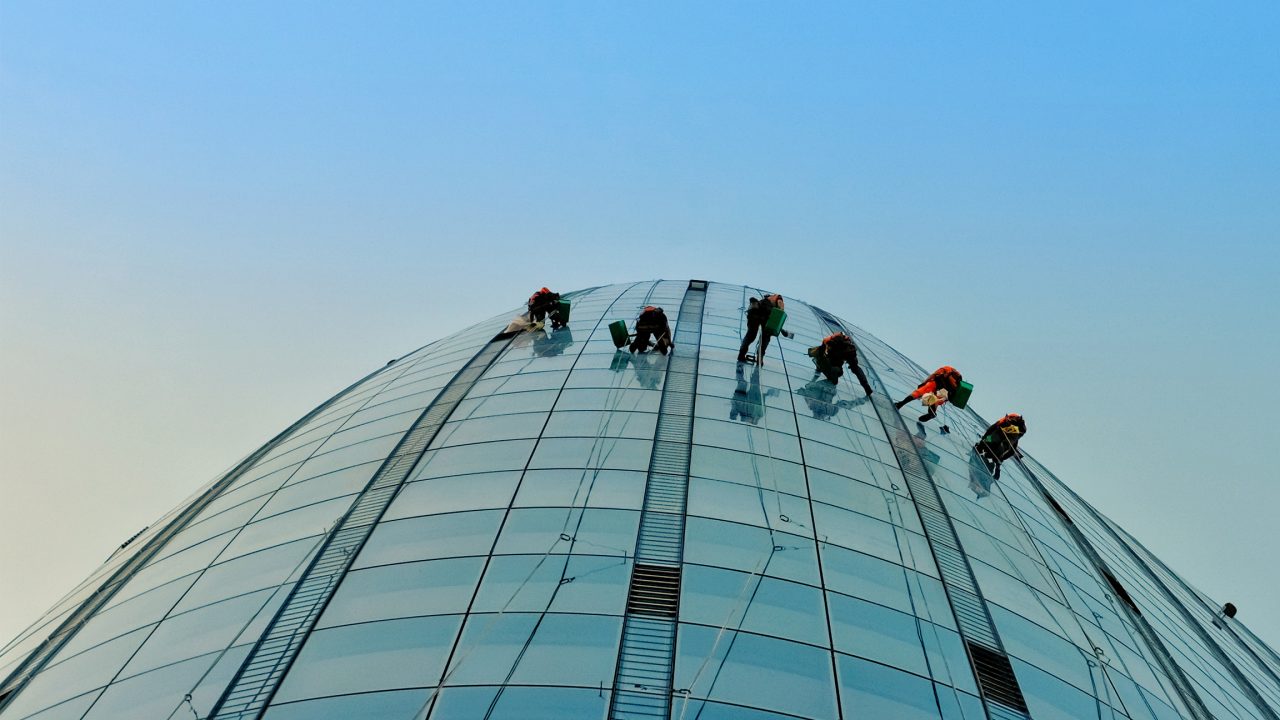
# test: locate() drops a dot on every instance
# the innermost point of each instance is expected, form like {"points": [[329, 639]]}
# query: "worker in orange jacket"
{"points": [[940, 384], [545, 303]]}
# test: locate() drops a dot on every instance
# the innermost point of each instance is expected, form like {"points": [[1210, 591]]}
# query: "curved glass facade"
{"points": [[539, 526]]}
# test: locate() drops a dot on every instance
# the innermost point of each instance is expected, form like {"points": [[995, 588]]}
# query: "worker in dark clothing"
{"points": [[652, 323], [1000, 442], [830, 357], [757, 315], [544, 304], [935, 389]]}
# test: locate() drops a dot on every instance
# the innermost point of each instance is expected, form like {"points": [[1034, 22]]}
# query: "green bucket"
{"points": [[774, 324], [960, 397], [618, 331]]}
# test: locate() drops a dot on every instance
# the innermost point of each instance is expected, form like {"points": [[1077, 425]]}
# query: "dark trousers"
{"points": [[540, 313], [644, 332], [753, 326]]}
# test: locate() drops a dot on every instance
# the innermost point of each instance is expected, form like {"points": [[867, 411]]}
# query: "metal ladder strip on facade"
{"points": [[40, 657], [1001, 694], [260, 674], [1182, 684], [646, 656]]}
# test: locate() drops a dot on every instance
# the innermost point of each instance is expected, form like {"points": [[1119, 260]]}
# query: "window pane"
{"points": [[560, 650], [876, 633], [434, 536], [756, 671], [559, 583], [370, 656], [875, 691], [519, 703], [435, 587], [393, 705]]}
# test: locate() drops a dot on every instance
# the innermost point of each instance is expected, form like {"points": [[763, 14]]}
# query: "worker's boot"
{"points": [[742, 352], [929, 415], [903, 402]]}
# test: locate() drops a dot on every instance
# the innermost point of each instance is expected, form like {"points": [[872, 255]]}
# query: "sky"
{"points": [[213, 216]]}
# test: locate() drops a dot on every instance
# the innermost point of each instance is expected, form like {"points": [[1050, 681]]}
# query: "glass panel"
{"points": [[434, 536], [70, 710], [536, 649], [73, 676], [197, 632], [315, 489], [854, 573], [370, 656], [875, 691], [715, 597], [750, 549], [759, 506], [600, 423], [576, 488], [394, 705], [530, 583], [483, 457], [1049, 698], [538, 530], [480, 491], [613, 453], [498, 427], [435, 587], [876, 633], [264, 569], [756, 671], [307, 522], [145, 609], [160, 693], [519, 703]]}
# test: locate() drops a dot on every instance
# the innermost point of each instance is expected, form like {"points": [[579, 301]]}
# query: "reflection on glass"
{"points": [[820, 396], [748, 401], [650, 370], [980, 478], [549, 343]]}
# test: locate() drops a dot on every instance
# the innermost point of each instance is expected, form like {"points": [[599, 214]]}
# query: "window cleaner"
{"points": [[942, 385], [545, 304], [830, 357], [1000, 442], [767, 314], [652, 323]]}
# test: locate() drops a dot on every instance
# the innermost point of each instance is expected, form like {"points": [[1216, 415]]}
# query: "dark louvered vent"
{"points": [[1119, 590], [1058, 508], [655, 591], [995, 675]]}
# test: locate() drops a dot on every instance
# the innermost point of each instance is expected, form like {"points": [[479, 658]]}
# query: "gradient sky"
{"points": [[215, 215]]}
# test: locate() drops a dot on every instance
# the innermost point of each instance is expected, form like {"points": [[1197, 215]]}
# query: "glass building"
{"points": [[538, 526]]}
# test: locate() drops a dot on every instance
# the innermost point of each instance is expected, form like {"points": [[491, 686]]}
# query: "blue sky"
{"points": [[214, 215]]}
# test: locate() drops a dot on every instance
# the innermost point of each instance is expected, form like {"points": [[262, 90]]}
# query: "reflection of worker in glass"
{"points": [[747, 403], [649, 371], [550, 344], [820, 396], [980, 478]]}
